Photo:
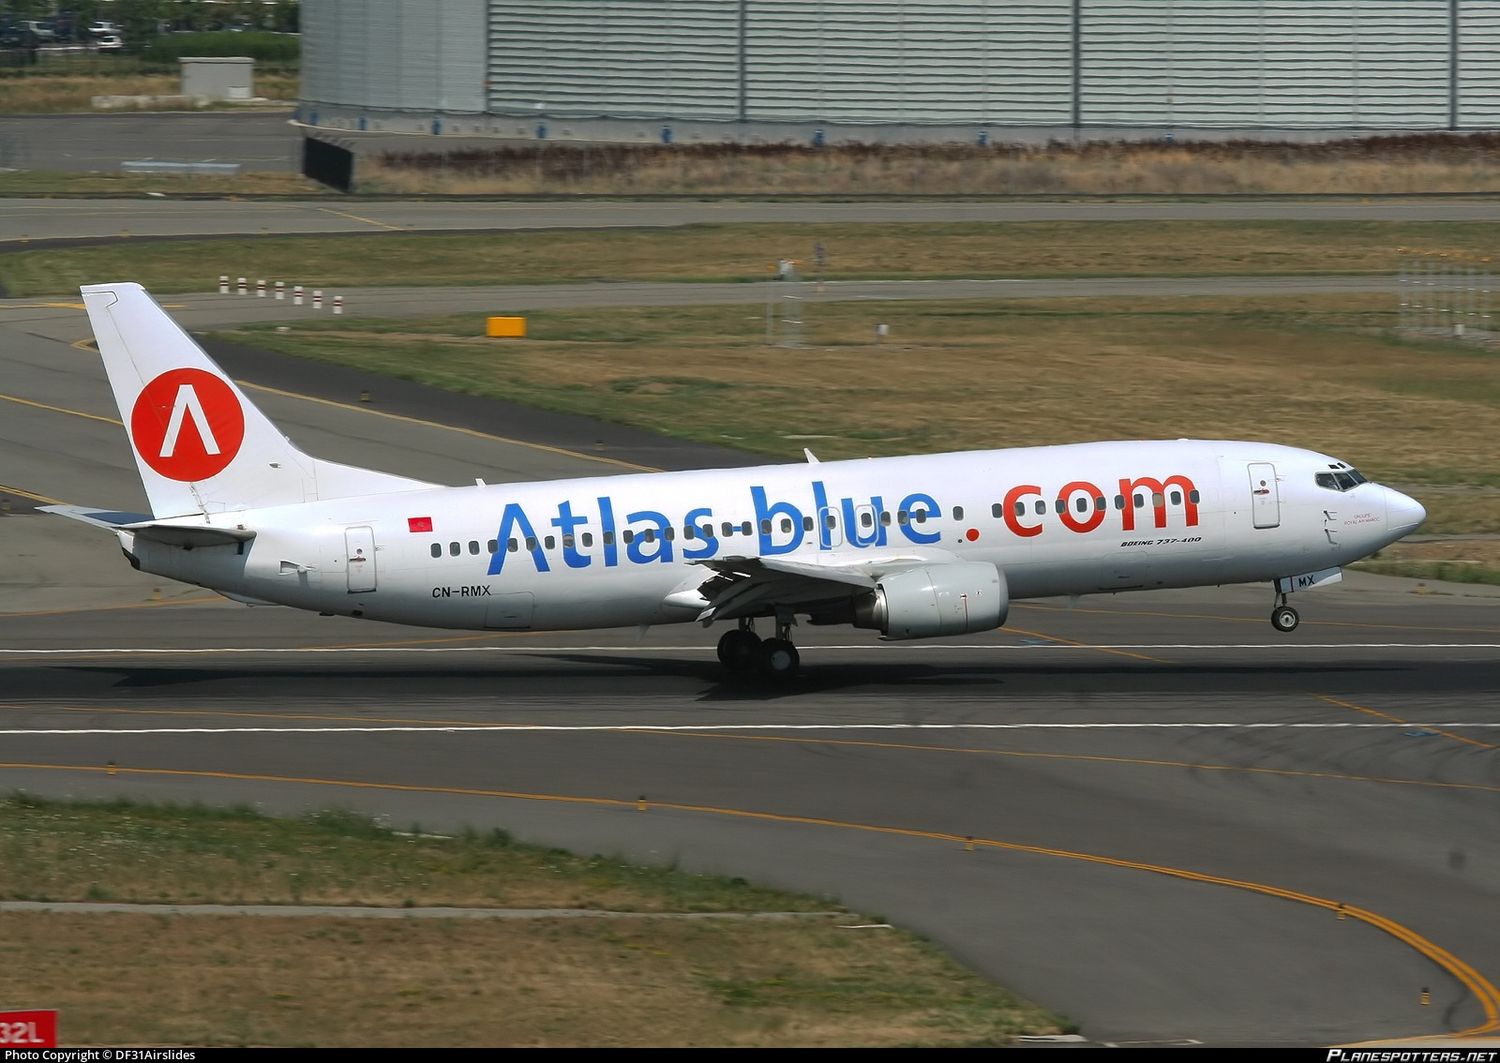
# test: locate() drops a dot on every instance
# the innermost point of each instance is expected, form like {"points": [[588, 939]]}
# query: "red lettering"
{"points": [[1065, 512], [1008, 510], [1158, 489]]}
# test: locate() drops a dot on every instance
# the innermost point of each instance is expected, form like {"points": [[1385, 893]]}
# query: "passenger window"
{"points": [[1140, 500], [669, 533], [437, 549], [728, 529], [958, 512], [707, 531], [1194, 497], [493, 546], [885, 517], [588, 538], [567, 542], [551, 542], [455, 549], [609, 538], [765, 527], [828, 520], [1020, 509], [649, 535], [919, 515], [512, 545], [807, 524], [995, 511], [687, 532], [1062, 506], [1176, 498], [474, 546], [1099, 503], [901, 516], [866, 520], [1119, 501], [1157, 499], [746, 528], [1040, 507], [786, 525], [627, 537], [531, 542], [1081, 504]]}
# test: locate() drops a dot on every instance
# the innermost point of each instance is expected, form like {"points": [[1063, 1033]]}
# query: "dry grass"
{"points": [[135, 853], [137, 979], [1455, 560], [56, 93], [1425, 163], [1316, 371], [747, 252]]}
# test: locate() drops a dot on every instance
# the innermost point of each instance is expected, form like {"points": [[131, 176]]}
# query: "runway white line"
{"points": [[699, 648], [729, 727]]}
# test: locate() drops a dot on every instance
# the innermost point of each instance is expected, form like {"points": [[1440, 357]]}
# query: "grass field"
{"points": [[59, 91], [1419, 163], [747, 252], [221, 980]]}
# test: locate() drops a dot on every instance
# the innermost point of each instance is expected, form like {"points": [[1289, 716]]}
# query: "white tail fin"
{"points": [[201, 446]]}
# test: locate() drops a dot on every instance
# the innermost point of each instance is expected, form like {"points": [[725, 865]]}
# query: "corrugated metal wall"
{"points": [[395, 54], [1276, 64], [623, 58], [1281, 63]]}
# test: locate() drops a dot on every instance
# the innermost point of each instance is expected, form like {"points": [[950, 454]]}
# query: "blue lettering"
{"points": [[514, 521], [820, 507], [565, 522], [910, 527], [876, 535], [700, 519], [764, 513], [636, 548], [607, 525]]}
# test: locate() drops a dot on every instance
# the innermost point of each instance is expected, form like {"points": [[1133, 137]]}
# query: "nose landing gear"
{"points": [[1284, 618]]}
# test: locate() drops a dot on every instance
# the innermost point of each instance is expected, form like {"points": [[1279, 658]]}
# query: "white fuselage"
{"points": [[554, 555]]}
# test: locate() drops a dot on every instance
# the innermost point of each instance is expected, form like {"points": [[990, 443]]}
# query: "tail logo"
{"points": [[187, 425]]}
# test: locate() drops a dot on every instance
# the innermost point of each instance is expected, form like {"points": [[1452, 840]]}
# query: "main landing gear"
{"points": [[743, 652], [1284, 618]]}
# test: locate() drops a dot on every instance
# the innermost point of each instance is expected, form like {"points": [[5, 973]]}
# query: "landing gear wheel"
{"points": [[1284, 618], [739, 650], [779, 659]]}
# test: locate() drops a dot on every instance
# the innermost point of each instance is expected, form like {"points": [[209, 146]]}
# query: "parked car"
{"points": [[110, 42], [102, 28]]}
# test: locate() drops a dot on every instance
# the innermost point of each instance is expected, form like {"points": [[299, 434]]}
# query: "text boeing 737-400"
{"points": [[912, 547]]}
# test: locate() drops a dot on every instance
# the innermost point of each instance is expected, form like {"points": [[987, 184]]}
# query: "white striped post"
{"points": [[338, 304], [281, 290], [223, 284], [243, 290], [260, 288], [297, 295], [317, 298]]}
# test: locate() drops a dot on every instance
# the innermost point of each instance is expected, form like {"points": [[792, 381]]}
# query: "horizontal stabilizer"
{"points": [[99, 518]]}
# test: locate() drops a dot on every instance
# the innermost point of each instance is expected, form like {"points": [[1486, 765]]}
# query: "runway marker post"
{"points": [[241, 287], [338, 304], [640, 803], [317, 298], [223, 284], [281, 290], [260, 288], [297, 295]]}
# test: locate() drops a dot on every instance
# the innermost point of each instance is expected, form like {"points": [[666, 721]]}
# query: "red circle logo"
{"points": [[187, 425]]}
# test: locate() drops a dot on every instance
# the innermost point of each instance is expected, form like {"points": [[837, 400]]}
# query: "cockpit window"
{"points": [[1344, 480]]}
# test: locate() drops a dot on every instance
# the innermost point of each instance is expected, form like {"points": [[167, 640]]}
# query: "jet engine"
{"points": [[921, 603]]}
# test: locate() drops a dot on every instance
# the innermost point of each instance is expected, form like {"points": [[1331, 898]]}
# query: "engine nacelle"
{"points": [[922, 603]]}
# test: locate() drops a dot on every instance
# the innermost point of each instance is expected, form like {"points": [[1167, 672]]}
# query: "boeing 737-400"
{"points": [[911, 547]]}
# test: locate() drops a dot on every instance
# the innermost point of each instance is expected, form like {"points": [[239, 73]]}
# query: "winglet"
{"points": [[812, 459]]}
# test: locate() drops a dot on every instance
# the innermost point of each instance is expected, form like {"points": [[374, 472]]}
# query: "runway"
{"points": [[82, 219], [1144, 811]]}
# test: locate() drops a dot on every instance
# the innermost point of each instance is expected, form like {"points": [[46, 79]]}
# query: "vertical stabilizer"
{"points": [[200, 444]]}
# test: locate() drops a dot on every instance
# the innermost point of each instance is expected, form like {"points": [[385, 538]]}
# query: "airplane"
{"points": [[911, 547]]}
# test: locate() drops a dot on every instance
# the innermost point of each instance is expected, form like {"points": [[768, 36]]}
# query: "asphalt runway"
{"points": [[78, 219], [1167, 800], [259, 141]]}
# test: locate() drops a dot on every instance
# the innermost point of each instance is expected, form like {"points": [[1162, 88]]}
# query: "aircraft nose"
{"points": [[1403, 513]]}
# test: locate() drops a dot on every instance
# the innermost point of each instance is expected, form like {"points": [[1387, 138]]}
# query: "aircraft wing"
{"points": [[743, 586]]}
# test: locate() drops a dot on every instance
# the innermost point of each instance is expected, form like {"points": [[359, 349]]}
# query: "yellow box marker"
{"points": [[505, 327]]}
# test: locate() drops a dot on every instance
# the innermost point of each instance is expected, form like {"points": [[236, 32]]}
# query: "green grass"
{"points": [[325, 980], [747, 252], [1445, 571], [124, 851]]}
